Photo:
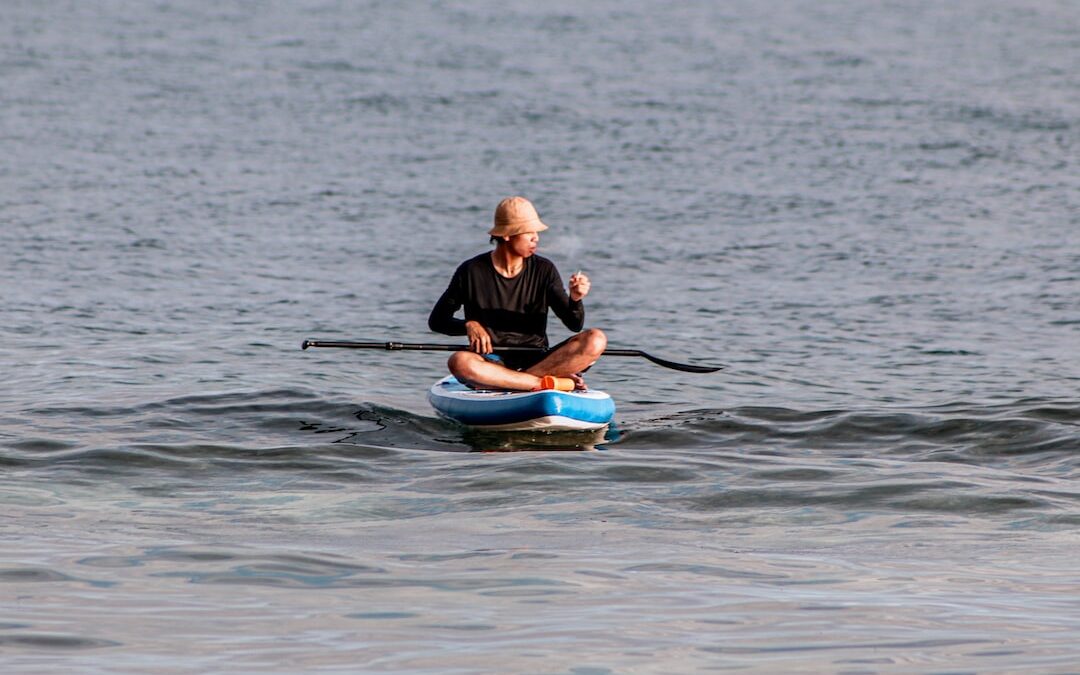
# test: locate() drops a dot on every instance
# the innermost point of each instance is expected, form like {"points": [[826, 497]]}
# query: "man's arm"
{"points": [[441, 319], [571, 312]]}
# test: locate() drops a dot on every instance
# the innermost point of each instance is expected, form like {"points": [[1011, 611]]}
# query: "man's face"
{"points": [[524, 244]]}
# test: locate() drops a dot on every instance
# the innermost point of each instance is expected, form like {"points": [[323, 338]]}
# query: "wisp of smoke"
{"points": [[568, 247]]}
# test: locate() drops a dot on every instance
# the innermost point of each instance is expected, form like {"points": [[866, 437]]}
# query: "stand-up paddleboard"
{"points": [[513, 410]]}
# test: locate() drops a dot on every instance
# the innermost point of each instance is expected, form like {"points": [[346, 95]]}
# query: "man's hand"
{"points": [[479, 338], [579, 286]]}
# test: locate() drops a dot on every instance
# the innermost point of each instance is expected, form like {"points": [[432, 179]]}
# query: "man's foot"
{"points": [[579, 382]]}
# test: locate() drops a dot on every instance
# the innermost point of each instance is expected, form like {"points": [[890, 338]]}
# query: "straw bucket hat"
{"points": [[515, 215]]}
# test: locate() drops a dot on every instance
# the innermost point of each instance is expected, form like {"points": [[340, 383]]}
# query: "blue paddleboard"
{"points": [[512, 410]]}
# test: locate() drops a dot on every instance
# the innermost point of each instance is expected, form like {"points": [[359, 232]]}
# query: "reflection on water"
{"points": [[521, 441], [379, 425]]}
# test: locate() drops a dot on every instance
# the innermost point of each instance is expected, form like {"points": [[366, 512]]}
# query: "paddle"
{"points": [[405, 346]]}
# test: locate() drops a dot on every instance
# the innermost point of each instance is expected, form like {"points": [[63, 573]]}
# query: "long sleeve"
{"points": [[442, 318], [570, 312]]}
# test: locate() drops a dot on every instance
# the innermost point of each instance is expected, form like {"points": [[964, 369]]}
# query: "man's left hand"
{"points": [[579, 286]]}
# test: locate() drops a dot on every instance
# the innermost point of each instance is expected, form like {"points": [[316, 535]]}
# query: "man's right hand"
{"points": [[479, 338]]}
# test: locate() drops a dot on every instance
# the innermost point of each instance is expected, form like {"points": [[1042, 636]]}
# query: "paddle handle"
{"points": [[408, 346], [404, 346]]}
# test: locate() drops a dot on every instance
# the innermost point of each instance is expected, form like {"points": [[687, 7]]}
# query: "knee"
{"points": [[460, 364], [595, 341]]}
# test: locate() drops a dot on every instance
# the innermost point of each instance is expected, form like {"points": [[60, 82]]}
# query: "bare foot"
{"points": [[579, 382]]}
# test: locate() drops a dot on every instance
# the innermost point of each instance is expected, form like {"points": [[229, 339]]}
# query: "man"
{"points": [[506, 294]]}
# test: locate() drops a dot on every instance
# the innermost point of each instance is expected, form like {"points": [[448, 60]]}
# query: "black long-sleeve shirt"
{"points": [[514, 310]]}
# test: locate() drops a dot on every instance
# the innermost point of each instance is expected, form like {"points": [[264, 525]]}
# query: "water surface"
{"points": [[866, 211]]}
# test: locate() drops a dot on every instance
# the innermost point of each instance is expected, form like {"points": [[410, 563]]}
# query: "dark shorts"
{"points": [[522, 360], [517, 360]]}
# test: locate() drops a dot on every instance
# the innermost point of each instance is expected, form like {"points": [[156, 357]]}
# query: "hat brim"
{"points": [[512, 229]]}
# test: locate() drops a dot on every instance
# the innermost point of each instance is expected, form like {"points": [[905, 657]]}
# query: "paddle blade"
{"points": [[684, 367]]}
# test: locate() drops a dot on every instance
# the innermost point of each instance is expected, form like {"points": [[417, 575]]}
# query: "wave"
{"points": [[278, 422], [962, 458], [1018, 433]]}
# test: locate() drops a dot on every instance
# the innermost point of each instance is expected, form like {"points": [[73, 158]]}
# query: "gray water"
{"points": [[867, 211]]}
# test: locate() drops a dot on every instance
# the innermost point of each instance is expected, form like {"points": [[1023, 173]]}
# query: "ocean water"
{"points": [[868, 212]]}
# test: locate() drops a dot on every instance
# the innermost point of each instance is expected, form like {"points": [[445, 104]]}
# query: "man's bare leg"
{"points": [[579, 352], [473, 369]]}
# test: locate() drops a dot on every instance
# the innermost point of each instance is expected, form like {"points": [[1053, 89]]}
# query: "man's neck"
{"points": [[506, 262]]}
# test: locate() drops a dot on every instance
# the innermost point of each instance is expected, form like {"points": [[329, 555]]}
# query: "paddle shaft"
{"points": [[407, 346]]}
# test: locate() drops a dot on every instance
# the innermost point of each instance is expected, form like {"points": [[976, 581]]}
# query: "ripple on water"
{"points": [[48, 642]]}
